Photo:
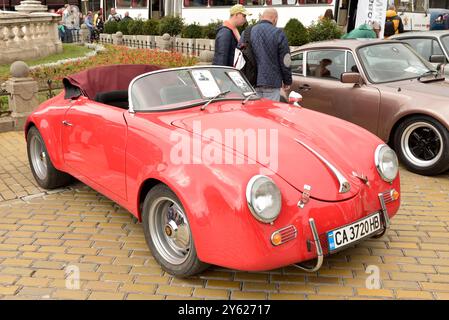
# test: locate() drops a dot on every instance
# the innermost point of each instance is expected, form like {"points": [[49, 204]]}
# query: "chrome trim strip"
{"points": [[319, 250], [344, 184]]}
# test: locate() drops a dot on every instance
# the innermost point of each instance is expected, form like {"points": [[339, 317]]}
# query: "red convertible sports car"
{"points": [[216, 174]]}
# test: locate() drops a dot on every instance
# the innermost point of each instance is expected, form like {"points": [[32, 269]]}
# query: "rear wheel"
{"points": [[168, 233], [46, 175], [422, 144]]}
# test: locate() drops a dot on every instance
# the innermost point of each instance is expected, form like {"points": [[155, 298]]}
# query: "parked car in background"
{"points": [[432, 45], [385, 87], [215, 174]]}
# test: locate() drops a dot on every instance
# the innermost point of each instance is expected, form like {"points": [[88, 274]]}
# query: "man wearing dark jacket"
{"points": [[272, 53], [228, 36]]}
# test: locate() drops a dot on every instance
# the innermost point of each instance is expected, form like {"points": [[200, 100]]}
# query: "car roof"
{"points": [[433, 33], [350, 44]]}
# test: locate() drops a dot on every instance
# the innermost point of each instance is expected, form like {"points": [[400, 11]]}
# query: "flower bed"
{"points": [[112, 55]]}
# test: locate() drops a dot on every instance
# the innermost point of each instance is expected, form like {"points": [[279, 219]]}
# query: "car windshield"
{"points": [[179, 88], [445, 41], [387, 62]]}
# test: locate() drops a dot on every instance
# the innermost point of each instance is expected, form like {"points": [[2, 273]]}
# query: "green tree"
{"points": [[151, 27], [171, 25], [325, 29], [111, 27], [135, 27], [193, 31], [296, 33], [210, 30], [122, 26]]}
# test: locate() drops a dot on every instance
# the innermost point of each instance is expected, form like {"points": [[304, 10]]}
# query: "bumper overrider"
{"points": [[384, 198]]}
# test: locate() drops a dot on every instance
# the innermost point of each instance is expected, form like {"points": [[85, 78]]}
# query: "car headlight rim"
{"points": [[379, 157], [251, 201]]}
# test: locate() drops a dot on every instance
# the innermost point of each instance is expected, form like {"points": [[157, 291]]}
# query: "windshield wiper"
{"points": [[248, 95], [212, 99], [428, 73]]}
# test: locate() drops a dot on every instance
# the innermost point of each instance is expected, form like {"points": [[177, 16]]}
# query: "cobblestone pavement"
{"points": [[43, 235]]}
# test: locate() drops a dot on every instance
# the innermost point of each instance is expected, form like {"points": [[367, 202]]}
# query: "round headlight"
{"points": [[264, 198], [386, 162]]}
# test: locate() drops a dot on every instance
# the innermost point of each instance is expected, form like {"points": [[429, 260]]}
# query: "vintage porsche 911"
{"points": [[215, 174], [385, 87]]}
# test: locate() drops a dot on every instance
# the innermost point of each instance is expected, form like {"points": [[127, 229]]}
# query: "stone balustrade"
{"points": [[26, 36]]}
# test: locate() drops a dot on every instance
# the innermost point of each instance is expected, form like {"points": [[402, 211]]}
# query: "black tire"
{"points": [[160, 199], [422, 145], [46, 175]]}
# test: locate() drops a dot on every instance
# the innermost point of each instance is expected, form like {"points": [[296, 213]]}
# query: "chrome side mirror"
{"points": [[294, 98]]}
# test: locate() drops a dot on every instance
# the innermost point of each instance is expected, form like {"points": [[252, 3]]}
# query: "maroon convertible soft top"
{"points": [[103, 79]]}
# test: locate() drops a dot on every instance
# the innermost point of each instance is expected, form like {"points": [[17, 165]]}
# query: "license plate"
{"points": [[351, 233]]}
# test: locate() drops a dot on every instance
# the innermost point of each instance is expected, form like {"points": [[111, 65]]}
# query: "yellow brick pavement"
{"points": [[45, 237]]}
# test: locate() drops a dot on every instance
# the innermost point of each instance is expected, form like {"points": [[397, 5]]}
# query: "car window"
{"points": [[328, 64], [351, 65], [297, 63], [385, 62], [424, 46], [178, 88]]}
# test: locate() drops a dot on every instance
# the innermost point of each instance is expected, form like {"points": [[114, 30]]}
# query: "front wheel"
{"points": [[422, 144], [46, 175], [168, 233]]}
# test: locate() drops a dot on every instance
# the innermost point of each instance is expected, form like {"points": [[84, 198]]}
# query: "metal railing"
{"points": [[49, 90], [184, 47], [4, 108]]}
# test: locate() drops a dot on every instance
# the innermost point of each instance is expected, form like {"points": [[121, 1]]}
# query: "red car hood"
{"points": [[346, 146]]}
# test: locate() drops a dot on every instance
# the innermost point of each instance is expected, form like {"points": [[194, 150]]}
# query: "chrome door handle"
{"points": [[66, 123]]}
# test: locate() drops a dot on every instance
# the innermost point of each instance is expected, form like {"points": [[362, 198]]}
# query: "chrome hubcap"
{"points": [[422, 144], [170, 230], [38, 158]]}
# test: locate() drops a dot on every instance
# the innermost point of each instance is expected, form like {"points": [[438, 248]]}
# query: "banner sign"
{"points": [[369, 11]]}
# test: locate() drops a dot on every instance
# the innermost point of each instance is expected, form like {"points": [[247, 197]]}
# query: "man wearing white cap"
{"points": [[228, 36]]}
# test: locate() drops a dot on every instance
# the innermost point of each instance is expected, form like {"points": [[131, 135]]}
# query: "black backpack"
{"points": [[389, 28], [250, 67]]}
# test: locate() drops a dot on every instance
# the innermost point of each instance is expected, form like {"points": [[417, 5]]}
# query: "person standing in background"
{"points": [[365, 30], [327, 15], [228, 36], [272, 53], [393, 23], [127, 17], [114, 16], [89, 22]]}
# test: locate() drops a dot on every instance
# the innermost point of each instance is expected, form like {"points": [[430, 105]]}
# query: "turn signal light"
{"points": [[394, 194], [283, 235], [276, 239]]}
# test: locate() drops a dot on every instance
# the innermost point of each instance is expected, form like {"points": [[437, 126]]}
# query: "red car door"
{"points": [[94, 141]]}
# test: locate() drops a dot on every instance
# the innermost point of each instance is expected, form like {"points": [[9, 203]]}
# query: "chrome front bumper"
{"points": [[383, 198]]}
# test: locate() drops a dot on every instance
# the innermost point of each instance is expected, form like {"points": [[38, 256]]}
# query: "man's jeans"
{"points": [[269, 93]]}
